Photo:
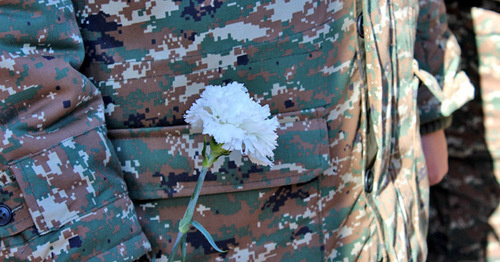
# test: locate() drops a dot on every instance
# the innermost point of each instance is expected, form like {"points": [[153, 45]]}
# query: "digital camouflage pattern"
{"points": [[349, 179], [59, 172], [488, 39], [462, 224]]}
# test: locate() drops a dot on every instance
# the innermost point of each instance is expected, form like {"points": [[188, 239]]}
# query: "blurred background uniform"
{"points": [[464, 213]]}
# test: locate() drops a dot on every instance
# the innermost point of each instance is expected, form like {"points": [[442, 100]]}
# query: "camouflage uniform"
{"points": [[93, 94], [462, 225]]}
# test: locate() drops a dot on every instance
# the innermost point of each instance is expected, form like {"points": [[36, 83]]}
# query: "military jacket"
{"points": [[97, 162]]}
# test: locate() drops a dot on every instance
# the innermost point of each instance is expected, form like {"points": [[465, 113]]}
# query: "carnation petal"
{"points": [[235, 120]]}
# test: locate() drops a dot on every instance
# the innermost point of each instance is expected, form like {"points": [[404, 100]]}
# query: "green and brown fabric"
{"points": [[98, 163]]}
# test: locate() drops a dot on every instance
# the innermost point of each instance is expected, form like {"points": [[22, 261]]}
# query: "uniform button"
{"points": [[5, 215], [359, 23], [368, 181]]}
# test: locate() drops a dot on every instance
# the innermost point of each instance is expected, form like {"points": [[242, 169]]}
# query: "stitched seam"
{"points": [[249, 182]]}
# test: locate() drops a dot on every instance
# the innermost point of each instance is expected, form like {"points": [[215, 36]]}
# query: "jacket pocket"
{"points": [[69, 180], [164, 162]]}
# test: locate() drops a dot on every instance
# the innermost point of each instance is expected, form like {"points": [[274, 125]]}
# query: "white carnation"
{"points": [[233, 119]]}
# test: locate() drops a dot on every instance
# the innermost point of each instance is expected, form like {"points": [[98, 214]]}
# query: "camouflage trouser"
{"points": [[465, 213]]}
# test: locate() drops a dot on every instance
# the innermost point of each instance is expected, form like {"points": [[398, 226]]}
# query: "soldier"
{"points": [[462, 224], [98, 163]]}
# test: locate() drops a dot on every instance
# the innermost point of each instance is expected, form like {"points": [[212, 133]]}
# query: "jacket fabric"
{"points": [[97, 162]]}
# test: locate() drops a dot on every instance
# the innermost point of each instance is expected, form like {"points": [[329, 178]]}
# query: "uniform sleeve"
{"points": [[444, 88], [60, 179]]}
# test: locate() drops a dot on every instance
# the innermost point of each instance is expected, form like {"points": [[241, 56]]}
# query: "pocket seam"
{"points": [[249, 182]]}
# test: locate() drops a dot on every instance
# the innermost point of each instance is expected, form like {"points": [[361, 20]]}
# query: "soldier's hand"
{"points": [[436, 155]]}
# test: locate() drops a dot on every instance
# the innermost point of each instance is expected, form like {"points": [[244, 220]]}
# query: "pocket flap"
{"points": [[164, 162], [65, 182]]}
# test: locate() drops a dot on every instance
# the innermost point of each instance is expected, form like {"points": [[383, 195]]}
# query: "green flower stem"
{"points": [[185, 222], [181, 238], [216, 151]]}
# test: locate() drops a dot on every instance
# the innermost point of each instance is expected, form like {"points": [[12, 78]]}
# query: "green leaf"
{"points": [[207, 235], [185, 224]]}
